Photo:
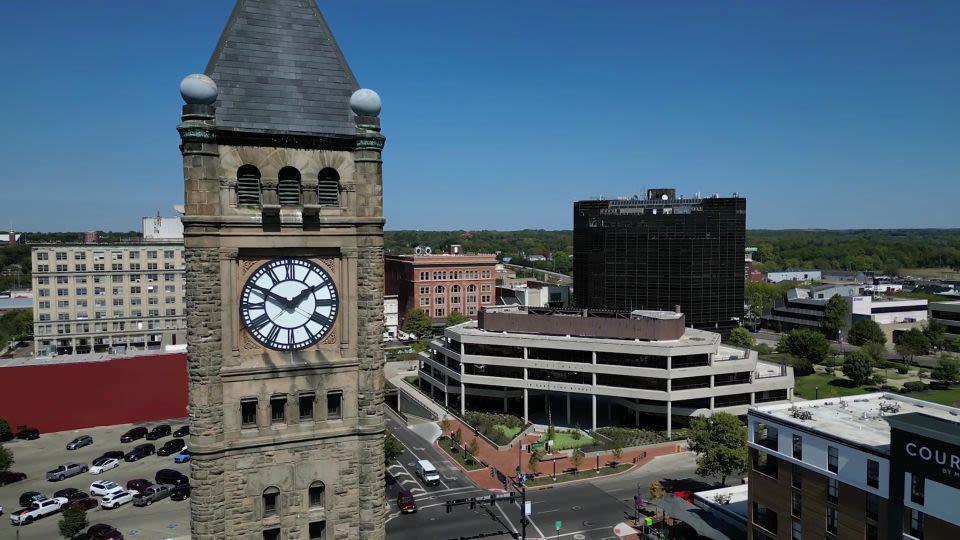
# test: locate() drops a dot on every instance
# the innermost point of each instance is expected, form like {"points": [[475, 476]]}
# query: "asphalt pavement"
{"points": [[164, 519]]}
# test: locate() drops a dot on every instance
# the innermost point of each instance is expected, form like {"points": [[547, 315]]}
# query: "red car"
{"points": [[405, 502], [103, 532], [87, 503], [138, 484]]}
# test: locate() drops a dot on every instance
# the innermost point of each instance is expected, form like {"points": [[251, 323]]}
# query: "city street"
{"points": [[165, 519]]}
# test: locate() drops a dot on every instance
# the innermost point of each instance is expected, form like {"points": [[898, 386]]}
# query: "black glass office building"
{"points": [[660, 252]]}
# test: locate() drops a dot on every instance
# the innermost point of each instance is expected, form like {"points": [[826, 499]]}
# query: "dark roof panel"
{"points": [[279, 69]]}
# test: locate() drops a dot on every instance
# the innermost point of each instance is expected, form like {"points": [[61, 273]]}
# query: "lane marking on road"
{"points": [[418, 459]]}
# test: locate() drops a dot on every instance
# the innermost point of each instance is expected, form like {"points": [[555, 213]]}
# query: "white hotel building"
{"points": [[570, 367]]}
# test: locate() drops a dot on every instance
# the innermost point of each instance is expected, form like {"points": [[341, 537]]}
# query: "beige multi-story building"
{"points": [[108, 298]]}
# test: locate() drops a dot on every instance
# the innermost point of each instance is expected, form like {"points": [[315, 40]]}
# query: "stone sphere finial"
{"points": [[198, 89], [365, 102]]}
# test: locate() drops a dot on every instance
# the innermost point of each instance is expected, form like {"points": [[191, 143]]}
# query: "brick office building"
{"points": [[442, 283], [873, 466]]}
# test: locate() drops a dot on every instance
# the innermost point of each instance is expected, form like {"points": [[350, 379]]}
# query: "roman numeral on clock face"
{"points": [[290, 269], [259, 322], [323, 320], [274, 333]]}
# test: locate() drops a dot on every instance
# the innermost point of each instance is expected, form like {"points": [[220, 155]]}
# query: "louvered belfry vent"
{"points": [[328, 188], [288, 187], [248, 186]]}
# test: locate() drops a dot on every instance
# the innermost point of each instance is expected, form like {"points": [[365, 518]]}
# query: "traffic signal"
{"points": [[449, 506], [492, 472], [473, 503], [493, 500], [513, 497]]}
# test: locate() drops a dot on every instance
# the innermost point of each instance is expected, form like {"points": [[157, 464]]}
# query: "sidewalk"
{"points": [[506, 461], [395, 373]]}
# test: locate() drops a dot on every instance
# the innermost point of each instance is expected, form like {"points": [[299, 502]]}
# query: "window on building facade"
{"points": [[42, 256], [832, 459], [764, 517], [248, 412], [307, 400], [873, 473], [485, 299], [439, 312], [797, 447], [872, 506], [871, 533], [833, 489], [278, 408], [916, 523], [831, 519], [271, 500], [328, 187], [317, 494], [424, 300], [424, 276], [248, 186], [454, 288], [917, 488], [424, 290], [334, 405], [440, 289], [317, 530], [796, 503], [796, 530]]}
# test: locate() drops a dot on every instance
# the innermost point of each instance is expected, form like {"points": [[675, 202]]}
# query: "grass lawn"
{"points": [[565, 441], [545, 479], [508, 431], [412, 379], [949, 397], [830, 386], [458, 454]]}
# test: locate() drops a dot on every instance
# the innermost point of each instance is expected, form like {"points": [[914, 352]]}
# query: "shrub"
{"points": [[914, 386], [879, 378], [902, 369], [763, 348]]}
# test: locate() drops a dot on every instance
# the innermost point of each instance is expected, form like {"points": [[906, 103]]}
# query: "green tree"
{"points": [[761, 296], [805, 343], [912, 343], [417, 322], [73, 522], [458, 435], [936, 333], [445, 426], [455, 318], [6, 458], [392, 449], [720, 442], [577, 458], [534, 462], [865, 331], [4, 426], [875, 350], [947, 370], [834, 315], [618, 444], [740, 337], [955, 344], [474, 448], [858, 367]]}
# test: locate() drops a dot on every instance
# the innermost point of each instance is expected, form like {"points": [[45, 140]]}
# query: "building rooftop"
{"points": [[654, 314], [861, 418]]}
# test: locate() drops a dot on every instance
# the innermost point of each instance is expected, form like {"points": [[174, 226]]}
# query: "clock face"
{"points": [[289, 304]]}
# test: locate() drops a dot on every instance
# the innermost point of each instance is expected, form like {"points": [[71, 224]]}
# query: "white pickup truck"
{"points": [[37, 510]]}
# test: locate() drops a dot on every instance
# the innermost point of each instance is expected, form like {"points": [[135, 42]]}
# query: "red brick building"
{"points": [[442, 283]]}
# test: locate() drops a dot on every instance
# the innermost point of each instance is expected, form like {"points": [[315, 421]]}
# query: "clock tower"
{"points": [[283, 230]]}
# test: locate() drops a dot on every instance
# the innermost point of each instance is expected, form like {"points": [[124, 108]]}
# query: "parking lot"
{"points": [[164, 519]]}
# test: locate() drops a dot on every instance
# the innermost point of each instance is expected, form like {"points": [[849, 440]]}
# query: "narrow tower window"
{"points": [[248, 186], [328, 187], [288, 186]]}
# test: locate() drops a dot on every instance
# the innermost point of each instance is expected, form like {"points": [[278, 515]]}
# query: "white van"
{"points": [[428, 473]]}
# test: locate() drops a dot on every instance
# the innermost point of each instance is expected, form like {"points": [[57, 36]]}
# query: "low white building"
{"points": [[391, 317], [799, 310], [570, 367], [794, 275]]}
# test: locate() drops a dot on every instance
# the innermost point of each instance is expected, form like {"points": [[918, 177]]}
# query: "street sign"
{"points": [[558, 524], [527, 508], [537, 445], [648, 521]]}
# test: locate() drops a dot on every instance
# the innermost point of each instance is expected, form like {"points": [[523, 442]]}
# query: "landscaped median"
{"points": [[460, 454], [547, 480]]}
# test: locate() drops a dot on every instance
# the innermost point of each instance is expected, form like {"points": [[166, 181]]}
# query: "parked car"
{"points": [[158, 432], [171, 477], [113, 454], [70, 494], [140, 451], [28, 434], [80, 442], [66, 471], [182, 431], [103, 464], [138, 484], [116, 500], [6, 437], [183, 457], [151, 495], [87, 503], [406, 502], [171, 447], [28, 497], [180, 492], [102, 531], [104, 487], [36, 510], [11, 477], [134, 434]]}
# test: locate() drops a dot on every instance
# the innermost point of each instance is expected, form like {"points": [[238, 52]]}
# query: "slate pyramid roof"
{"points": [[279, 69]]}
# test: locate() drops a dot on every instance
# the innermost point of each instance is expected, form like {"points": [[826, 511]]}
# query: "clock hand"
{"points": [[267, 293]]}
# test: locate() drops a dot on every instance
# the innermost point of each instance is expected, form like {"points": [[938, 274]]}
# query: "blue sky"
{"points": [[499, 114]]}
